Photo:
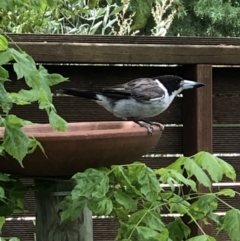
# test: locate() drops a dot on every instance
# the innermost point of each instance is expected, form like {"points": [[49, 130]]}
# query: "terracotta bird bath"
{"points": [[81, 146]]}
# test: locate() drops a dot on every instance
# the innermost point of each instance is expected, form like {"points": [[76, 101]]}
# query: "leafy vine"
{"points": [[15, 142], [136, 196]]}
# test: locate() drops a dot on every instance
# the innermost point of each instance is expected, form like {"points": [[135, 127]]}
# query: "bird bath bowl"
{"points": [[81, 146]]}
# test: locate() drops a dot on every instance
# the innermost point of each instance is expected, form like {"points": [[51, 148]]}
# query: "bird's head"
{"points": [[175, 84]]}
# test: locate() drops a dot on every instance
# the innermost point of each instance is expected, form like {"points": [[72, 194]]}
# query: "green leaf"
{"points": [[2, 193], [214, 217], [95, 27], [227, 169], [46, 105], [92, 3], [15, 192], [4, 177], [182, 179], [14, 239], [134, 170], [174, 177], [146, 233], [202, 238], [178, 164], [193, 169], [203, 206], [116, 10], [153, 220], [125, 200], [142, 9], [2, 221], [5, 57], [24, 66], [164, 235], [178, 204], [150, 187], [101, 206], [231, 224], [166, 177], [26, 96], [53, 79], [57, 122], [3, 43], [5, 101], [35, 80], [137, 216], [33, 144], [209, 163], [178, 230], [15, 142], [171, 182], [121, 213], [125, 180], [125, 231], [72, 209], [16, 121], [52, 3], [91, 183], [3, 73], [226, 192], [4, 5]]}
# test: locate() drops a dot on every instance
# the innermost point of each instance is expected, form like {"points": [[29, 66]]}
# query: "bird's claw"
{"points": [[161, 126], [147, 126]]}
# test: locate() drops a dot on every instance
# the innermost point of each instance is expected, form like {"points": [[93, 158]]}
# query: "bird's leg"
{"points": [[145, 125], [153, 123]]}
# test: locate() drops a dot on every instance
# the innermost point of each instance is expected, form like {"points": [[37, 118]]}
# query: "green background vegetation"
{"points": [[191, 18]]}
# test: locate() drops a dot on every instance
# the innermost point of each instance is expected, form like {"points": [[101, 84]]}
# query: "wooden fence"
{"points": [[207, 119]]}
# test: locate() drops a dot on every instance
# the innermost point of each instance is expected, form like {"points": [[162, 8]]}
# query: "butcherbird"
{"points": [[139, 98]]}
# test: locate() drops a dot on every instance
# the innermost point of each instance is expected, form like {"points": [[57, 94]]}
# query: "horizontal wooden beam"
{"points": [[130, 53], [137, 39]]}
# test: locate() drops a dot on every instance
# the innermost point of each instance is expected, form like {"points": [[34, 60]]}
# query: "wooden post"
{"points": [[197, 121], [48, 226]]}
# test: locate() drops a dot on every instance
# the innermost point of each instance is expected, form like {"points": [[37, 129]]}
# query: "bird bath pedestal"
{"points": [[81, 146]]}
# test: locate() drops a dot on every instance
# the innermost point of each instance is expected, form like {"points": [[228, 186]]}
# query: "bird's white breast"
{"points": [[127, 108]]}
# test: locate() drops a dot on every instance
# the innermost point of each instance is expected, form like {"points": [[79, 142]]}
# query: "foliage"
{"points": [[75, 17], [207, 18], [174, 17], [15, 142], [12, 193], [86, 17], [10, 239], [134, 194]]}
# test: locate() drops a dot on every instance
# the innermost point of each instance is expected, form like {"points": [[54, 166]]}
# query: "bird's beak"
{"points": [[189, 84]]}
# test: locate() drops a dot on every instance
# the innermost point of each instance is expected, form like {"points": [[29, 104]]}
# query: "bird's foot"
{"points": [[153, 123], [147, 126]]}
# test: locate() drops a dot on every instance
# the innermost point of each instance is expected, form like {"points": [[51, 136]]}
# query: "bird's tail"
{"points": [[79, 93]]}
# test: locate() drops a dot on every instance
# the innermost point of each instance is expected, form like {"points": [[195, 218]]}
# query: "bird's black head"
{"points": [[175, 84]]}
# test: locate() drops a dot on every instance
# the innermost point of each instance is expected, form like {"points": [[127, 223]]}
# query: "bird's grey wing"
{"points": [[142, 89], [117, 92], [145, 89]]}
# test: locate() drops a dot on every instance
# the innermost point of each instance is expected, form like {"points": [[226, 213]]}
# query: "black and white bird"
{"points": [[139, 98]]}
